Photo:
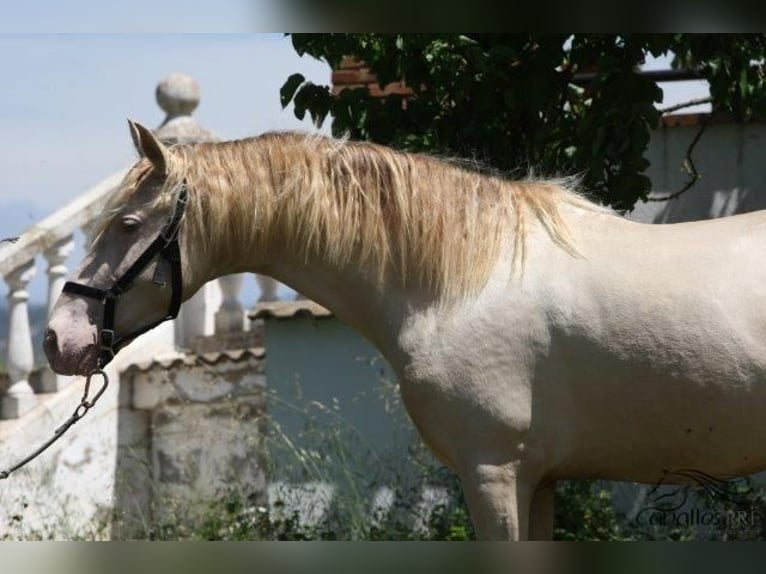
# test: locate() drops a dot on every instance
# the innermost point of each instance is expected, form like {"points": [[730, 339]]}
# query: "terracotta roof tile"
{"points": [[289, 309], [191, 359]]}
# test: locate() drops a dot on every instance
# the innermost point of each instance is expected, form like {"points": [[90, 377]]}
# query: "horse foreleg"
{"points": [[541, 512], [499, 501]]}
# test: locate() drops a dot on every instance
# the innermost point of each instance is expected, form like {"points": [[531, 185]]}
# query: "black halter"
{"points": [[166, 246]]}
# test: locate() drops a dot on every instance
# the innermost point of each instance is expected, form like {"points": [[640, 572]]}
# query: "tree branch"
{"points": [[682, 105], [688, 164]]}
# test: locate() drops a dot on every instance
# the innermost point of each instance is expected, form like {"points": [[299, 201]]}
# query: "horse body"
{"points": [[653, 363], [664, 348], [641, 354]]}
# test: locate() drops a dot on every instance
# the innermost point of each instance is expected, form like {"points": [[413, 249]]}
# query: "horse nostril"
{"points": [[50, 343]]}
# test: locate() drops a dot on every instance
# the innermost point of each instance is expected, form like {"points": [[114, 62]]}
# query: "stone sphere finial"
{"points": [[178, 95]]}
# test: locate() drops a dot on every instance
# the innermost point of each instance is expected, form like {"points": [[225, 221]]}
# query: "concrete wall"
{"points": [[322, 362], [192, 433], [731, 161], [337, 428], [164, 441], [68, 491]]}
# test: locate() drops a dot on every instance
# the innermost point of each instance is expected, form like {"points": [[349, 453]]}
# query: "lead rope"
{"points": [[85, 405]]}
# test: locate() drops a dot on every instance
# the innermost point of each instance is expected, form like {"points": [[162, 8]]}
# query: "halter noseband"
{"points": [[166, 246]]}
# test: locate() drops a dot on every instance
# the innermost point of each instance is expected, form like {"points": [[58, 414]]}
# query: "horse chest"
{"points": [[465, 379]]}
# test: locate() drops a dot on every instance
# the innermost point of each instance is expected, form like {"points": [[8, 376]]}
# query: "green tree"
{"points": [[555, 103]]}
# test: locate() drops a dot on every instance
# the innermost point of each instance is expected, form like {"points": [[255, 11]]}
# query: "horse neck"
{"points": [[353, 296], [350, 290], [377, 312]]}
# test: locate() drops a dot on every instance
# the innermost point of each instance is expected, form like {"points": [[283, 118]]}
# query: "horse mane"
{"points": [[431, 220]]}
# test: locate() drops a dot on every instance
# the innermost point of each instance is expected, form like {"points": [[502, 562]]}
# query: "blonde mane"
{"points": [[427, 220]]}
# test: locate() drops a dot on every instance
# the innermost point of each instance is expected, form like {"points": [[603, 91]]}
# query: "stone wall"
{"points": [[193, 432], [167, 437]]}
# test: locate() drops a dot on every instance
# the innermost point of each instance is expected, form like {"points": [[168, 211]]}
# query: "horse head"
{"points": [[130, 279]]}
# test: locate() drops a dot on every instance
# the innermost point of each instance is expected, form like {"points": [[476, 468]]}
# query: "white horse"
{"points": [[536, 336]]}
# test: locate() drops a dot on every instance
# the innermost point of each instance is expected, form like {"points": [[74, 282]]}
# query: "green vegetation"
{"points": [[520, 102]]}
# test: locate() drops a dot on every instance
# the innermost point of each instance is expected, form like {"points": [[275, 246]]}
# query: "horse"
{"points": [[536, 335]]}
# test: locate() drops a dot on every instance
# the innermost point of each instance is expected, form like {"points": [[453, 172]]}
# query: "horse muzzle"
{"points": [[67, 356]]}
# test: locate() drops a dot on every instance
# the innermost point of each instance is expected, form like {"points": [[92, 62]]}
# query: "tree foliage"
{"points": [[520, 102]]}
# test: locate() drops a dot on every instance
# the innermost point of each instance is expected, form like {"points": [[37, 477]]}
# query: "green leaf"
{"points": [[289, 88]]}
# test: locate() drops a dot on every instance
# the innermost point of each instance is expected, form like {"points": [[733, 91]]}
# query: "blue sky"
{"points": [[66, 90], [63, 117]]}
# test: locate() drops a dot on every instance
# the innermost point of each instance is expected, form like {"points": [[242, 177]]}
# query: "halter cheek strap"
{"points": [[167, 248]]}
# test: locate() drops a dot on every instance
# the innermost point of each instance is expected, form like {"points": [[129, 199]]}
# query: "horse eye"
{"points": [[130, 222]]}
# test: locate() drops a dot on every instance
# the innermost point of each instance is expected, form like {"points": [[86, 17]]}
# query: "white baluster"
{"points": [[268, 287], [230, 317], [196, 318], [56, 255], [20, 397]]}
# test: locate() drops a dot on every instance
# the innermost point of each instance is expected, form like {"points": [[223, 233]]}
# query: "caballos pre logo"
{"points": [[689, 497]]}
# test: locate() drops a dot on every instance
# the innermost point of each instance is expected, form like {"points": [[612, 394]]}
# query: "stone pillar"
{"points": [[20, 397], [268, 287], [56, 255], [197, 315], [230, 317]]}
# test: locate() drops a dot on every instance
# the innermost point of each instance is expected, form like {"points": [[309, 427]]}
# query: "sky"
{"points": [[68, 84], [63, 118]]}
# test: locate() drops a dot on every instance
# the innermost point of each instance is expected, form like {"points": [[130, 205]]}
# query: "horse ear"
{"points": [[148, 146]]}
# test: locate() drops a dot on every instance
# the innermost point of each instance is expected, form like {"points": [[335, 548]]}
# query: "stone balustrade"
{"points": [[19, 397], [53, 240]]}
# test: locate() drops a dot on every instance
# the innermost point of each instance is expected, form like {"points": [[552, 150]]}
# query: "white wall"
{"points": [[731, 161]]}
